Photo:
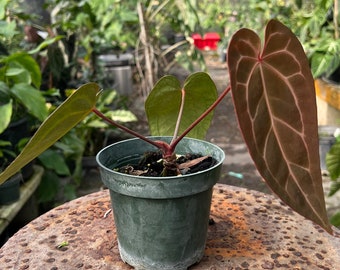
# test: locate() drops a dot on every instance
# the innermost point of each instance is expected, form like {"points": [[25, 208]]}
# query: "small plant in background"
{"points": [[100, 26], [316, 23], [116, 27], [227, 17]]}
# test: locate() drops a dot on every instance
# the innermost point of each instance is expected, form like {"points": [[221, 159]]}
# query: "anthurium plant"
{"points": [[273, 92]]}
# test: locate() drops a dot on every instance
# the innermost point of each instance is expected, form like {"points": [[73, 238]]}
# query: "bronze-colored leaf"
{"points": [[274, 97], [58, 123]]}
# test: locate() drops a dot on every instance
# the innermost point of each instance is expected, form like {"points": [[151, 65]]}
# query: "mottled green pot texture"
{"points": [[161, 222]]}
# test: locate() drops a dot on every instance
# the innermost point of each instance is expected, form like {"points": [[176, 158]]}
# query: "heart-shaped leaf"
{"points": [[163, 104], [64, 118], [274, 97]]}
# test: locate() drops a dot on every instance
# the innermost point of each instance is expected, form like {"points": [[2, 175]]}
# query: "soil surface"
{"points": [[151, 164]]}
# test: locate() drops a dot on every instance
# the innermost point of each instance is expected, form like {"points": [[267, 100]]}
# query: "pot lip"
{"points": [[157, 178]]}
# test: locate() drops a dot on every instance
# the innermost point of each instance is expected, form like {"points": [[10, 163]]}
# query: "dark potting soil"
{"points": [[151, 164]]}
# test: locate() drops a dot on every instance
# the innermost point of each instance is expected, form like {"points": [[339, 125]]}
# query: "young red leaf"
{"points": [[274, 97]]}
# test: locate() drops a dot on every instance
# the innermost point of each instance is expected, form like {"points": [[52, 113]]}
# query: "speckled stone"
{"points": [[248, 230]]}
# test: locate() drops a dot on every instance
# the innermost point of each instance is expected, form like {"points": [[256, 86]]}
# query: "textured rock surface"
{"points": [[250, 230]]}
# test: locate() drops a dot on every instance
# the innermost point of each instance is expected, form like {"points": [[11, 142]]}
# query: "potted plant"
{"points": [[273, 93]]}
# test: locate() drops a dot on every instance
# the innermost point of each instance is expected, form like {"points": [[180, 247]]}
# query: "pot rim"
{"points": [[157, 178]]}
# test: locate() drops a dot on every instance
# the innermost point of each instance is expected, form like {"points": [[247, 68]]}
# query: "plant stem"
{"points": [[195, 123], [167, 150], [179, 118], [133, 133]]}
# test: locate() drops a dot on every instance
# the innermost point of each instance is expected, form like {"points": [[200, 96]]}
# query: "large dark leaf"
{"points": [[273, 93]]}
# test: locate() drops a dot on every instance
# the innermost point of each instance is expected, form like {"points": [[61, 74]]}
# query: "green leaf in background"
{"points": [[18, 74], [4, 92], [14, 71], [54, 161], [28, 63], [2, 149], [8, 29], [335, 219], [5, 115], [3, 4], [122, 116], [4, 143], [106, 98], [32, 99], [71, 144], [333, 161], [63, 119], [48, 187], [164, 101], [45, 44], [335, 187], [97, 123], [70, 192], [326, 61]]}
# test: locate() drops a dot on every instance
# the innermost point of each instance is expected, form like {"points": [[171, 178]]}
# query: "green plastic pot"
{"points": [[161, 222]]}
